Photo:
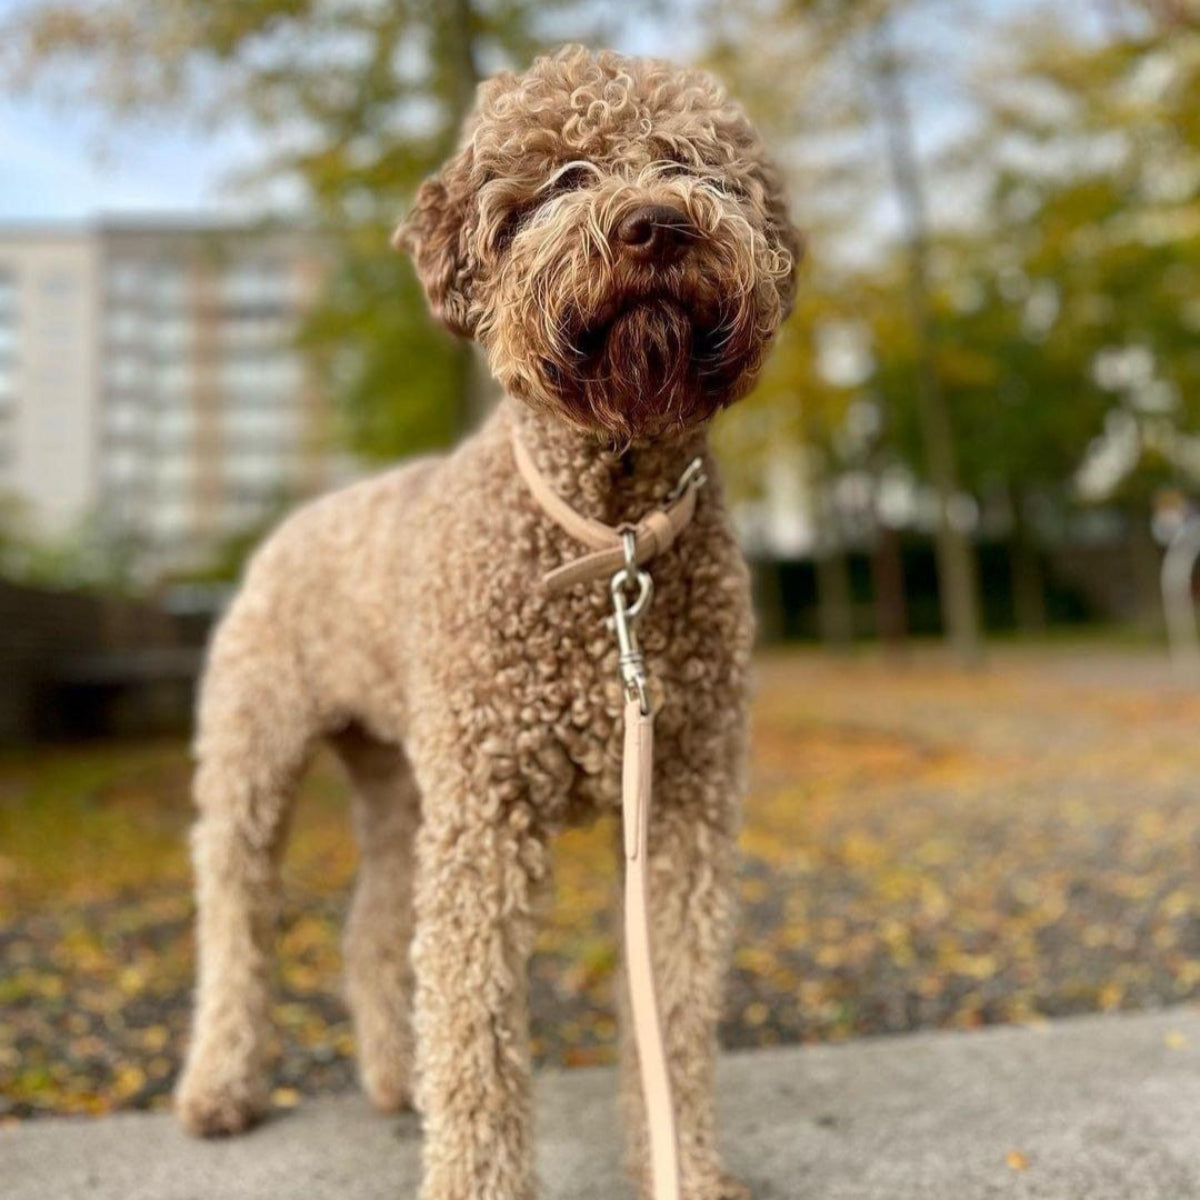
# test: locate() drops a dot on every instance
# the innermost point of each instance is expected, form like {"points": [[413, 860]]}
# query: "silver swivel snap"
{"points": [[632, 589]]}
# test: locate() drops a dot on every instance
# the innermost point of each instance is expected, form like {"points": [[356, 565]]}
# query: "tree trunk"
{"points": [[768, 601], [957, 577], [891, 604], [1028, 580], [1029, 587], [835, 604], [1146, 571]]}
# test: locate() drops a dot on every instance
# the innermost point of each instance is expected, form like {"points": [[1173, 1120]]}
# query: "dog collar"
{"points": [[609, 544]]}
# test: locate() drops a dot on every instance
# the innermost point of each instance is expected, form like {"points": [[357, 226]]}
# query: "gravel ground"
{"points": [[922, 848]]}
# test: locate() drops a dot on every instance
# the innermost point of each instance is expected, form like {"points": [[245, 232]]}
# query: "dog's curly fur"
{"points": [[402, 621]]}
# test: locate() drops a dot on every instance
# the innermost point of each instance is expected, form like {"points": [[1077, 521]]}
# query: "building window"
{"points": [[127, 280], [261, 377], [174, 379], [170, 519], [125, 372], [171, 333], [256, 471], [267, 424], [173, 471], [256, 283], [124, 419], [169, 284], [121, 466], [126, 325], [175, 424], [257, 333]]}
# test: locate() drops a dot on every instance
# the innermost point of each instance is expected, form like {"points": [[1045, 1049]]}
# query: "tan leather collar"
{"points": [[653, 534]]}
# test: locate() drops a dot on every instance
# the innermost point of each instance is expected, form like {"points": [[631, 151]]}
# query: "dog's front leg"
{"points": [[692, 907], [479, 860], [256, 734]]}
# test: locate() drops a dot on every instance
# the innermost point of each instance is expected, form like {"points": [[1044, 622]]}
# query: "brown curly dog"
{"points": [[613, 235]]}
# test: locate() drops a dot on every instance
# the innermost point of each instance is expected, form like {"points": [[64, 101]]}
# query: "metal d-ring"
{"points": [[629, 575]]}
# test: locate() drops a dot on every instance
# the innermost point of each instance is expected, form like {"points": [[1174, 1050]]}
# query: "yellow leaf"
{"points": [[756, 1014], [129, 1080], [155, 1037], [1016, 1161]]}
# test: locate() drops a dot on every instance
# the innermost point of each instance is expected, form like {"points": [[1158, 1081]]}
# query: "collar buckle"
{"points": [[693, 477]]}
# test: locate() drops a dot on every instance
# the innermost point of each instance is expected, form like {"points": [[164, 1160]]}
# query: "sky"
{"points": [[67, 164], [62, 166]]}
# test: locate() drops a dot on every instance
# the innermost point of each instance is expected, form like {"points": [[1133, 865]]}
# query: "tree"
{"points": [[850, 91], [1055, 325], [1084, 284], [956, 561], [798, 412], [82, 556]]}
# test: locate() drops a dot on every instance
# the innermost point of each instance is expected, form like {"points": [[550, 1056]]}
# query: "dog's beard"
{"points": [[659, 365], [638, 375]]}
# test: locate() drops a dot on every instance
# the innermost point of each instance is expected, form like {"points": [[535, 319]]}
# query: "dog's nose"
{"points": [[654, 233]]}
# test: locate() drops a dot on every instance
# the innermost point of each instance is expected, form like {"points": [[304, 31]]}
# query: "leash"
{"points": [[620, 554]]}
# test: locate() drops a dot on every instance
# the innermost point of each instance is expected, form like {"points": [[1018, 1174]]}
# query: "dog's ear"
{"points": [[794, 241], [783, 231], [437, 235]]}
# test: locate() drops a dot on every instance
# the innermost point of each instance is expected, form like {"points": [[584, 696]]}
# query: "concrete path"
{"points": [[1099, 1108]]}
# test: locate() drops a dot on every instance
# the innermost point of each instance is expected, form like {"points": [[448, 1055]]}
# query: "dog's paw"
{"points": [[386, 1088], [209, 1109], [721, 1187], [729, 1188]]}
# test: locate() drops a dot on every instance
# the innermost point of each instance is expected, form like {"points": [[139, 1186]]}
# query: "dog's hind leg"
{"points": [[256, 730], [378, 967]]}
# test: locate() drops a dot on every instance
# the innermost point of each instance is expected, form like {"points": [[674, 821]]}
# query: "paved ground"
{"points": [[1093, 1108]]}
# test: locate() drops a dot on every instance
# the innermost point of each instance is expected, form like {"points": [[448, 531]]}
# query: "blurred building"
{"points": [[49, 343], [149, 383]]}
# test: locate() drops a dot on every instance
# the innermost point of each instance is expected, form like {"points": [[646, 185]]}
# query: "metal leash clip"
{"points": [[627, 609]]}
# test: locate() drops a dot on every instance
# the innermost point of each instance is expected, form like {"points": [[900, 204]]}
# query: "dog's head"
{"points": [[612, 232]]}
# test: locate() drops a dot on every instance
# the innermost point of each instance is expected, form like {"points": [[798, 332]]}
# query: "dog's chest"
{"points": [[565, 700]]}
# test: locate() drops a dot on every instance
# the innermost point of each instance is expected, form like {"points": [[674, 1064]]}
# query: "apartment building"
{"points": [[150, 384]]}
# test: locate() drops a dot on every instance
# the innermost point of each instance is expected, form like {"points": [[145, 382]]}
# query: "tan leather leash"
{"points": [[620, 553]]}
